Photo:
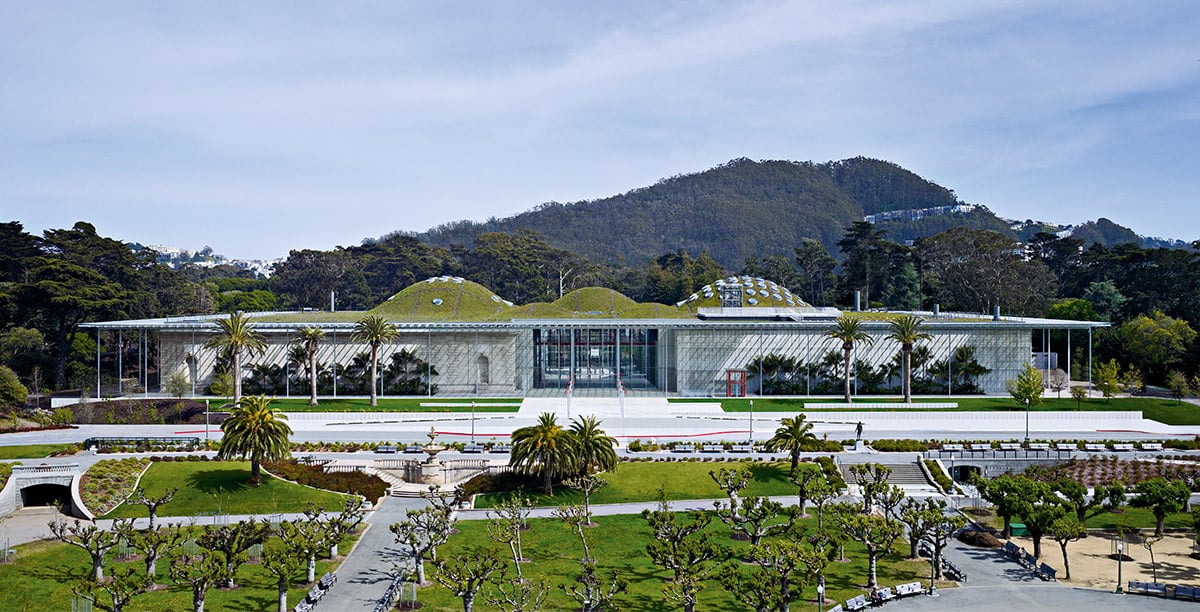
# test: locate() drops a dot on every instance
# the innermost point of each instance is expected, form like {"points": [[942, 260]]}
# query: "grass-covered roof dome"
{"points": [[755, 292], [443, 298]]}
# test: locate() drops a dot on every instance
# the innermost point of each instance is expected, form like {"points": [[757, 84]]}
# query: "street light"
{"points": [[820, 593], [1120, 557], [472, 422], [932, 573], [1027, 421], [751, 423], [206, 423]]}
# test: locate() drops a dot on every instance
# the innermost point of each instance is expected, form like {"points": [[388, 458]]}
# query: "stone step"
{"points": [[902, 474]]}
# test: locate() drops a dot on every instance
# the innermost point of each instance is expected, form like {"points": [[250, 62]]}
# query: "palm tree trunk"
{"points": [[237, 377], [908, 376], [312, 378], [374, 368], [847, 351]]}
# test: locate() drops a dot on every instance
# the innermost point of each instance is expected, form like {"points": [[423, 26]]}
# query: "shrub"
{"points": [[109, 482], [830, 470], [500, 483], [355, 483], [900, 446], [979, 539], [940, 477]]}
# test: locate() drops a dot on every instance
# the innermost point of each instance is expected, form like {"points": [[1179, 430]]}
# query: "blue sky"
{"points": [[258, 127]]}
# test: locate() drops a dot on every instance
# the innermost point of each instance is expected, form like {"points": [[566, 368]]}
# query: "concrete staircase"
{"points": [[903, 474]]}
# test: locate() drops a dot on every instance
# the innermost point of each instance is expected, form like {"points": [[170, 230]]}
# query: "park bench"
{"points": [[1011, 550], [315, 594], [858, 603], [303, 606], [683, 448], [1187, 592], [414, 448], [1138, 587], [387, 449], [1152, 446], [911, 588], [1095, 448], [327, 580], [502, 448], [837, 608], [979, 448], [1039, 446], [884, 595], [712, 448], [473, 448], [1123, 448], [1010, 446], [743, 448], [1047, 573], [952, 448], [1028, 560]]}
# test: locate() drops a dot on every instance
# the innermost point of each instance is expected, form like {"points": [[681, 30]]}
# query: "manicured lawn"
{"points": [[222, 487], [619, 543], [401, 404], [1130, 518], [640, 481], [31, 451], [44, 573], [1166, 411]]}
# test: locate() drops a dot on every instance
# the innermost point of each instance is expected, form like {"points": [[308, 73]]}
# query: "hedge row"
{"points": [[355, 483]]}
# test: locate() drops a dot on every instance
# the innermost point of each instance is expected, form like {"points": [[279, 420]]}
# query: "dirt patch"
{"points": [[1094, 565], [979, 539], [143, 411]]}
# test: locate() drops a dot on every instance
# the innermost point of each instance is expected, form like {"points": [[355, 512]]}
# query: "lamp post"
{"points": [[820, 594], [932, 574], [472, 422], [206, 423], [1027, 421], [751, 424], [1120, 557]]}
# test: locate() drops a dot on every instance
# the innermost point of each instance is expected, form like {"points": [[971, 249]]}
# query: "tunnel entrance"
{"points": [[47, 495], [964, 473]]}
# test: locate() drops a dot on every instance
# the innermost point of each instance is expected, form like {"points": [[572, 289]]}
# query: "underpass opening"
{"points": [[965, 473], [47, 495]]}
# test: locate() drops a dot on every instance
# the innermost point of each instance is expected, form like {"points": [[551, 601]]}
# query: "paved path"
{"points": [[364, 576]]}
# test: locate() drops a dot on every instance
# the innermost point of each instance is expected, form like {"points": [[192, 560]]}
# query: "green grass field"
{"points": [[43, 574], [641, 480], [1129, 518], [619, 542], [31, 451], [398, 404], [221, 487], [1166, 411]]}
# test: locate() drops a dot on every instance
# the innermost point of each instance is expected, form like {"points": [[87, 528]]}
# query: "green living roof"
{"points": [[454, 299]]}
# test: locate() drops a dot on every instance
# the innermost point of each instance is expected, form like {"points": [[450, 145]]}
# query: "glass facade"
{"points": [[595, 357]]}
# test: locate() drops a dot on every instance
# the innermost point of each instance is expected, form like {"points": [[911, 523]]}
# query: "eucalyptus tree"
{"points": [[235, 336], [308, 340], [375, 331], [906, 331], [257, 431], [849, 331]]}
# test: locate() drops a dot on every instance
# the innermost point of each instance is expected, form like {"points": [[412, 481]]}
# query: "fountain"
{"points": [[431, 468]]}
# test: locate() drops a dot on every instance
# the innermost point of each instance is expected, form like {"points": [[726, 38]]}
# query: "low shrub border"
{"points": [[940, 477], [355, 483], [110, 482]]}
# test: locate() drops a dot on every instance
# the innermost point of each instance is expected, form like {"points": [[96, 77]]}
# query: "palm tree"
{"points": [[791, 436], [545, 448], [593, 447], [849, 330], [907, 331], [375, 331], [309, 339], [234, 336], [256, 430]]}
